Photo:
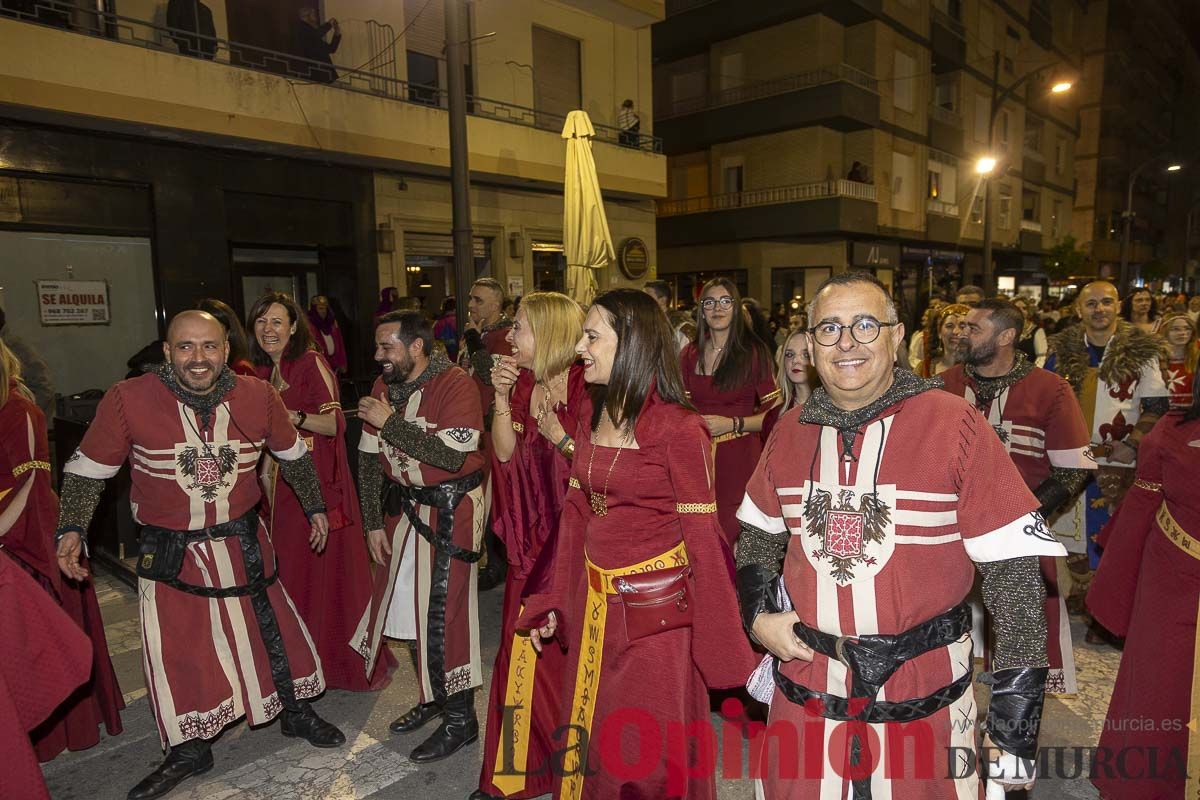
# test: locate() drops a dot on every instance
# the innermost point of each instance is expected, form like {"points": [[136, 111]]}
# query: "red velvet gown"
{"points": [[737, 456], [636, 699], [28, 514], [1147, 589], [51, 658], [331, 590], [527, 501]]}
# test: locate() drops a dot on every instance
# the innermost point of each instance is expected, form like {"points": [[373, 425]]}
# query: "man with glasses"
{"points": [[863, 525], [1114, 369]]}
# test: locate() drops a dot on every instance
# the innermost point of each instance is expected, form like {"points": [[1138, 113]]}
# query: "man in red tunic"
{"points": [[485, 339], [881, 498], [422, 427], [1040, 423], [220, 637]]}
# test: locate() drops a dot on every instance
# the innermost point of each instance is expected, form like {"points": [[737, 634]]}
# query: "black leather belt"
{"points": [[246, 528], [402, 499], [873, 659]]}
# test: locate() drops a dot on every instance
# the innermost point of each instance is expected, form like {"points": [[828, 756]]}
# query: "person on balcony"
{"points": [[630, 124], [311, 45]]}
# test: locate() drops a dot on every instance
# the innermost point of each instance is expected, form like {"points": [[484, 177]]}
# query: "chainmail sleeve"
{"points": [[1063, 484], [370, 490], [77, 502], [481, 359], [301, 474], [428, 448], [757, 547]]}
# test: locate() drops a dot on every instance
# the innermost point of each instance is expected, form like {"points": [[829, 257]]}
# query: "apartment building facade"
{"points": [[177, 163], [813, 137]]}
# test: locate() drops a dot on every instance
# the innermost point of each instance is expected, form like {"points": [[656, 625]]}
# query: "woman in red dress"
{"points": [[640, 508], [28, 516], [533, 437], [794, 376], [331, 589], [729, 377], [239, 349], [1147, 589], [1180, 333]]}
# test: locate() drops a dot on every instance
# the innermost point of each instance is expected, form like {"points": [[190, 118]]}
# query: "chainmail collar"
{"points": [[820, 410], [988, 389], [398, 393], [202, 404], [500, 324]]}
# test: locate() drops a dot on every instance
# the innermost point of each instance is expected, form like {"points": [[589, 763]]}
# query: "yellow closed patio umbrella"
{"points": [[587, 243]]}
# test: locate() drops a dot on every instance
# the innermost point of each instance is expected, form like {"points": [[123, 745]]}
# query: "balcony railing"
{"points": [[756, 91], [945, 116], [949, 22], [1031, 225], [376, 77], [764, 197], [941, 208]]}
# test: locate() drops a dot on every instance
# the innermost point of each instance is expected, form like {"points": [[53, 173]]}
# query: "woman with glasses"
{"points": [[728, 374], [640, 511]]}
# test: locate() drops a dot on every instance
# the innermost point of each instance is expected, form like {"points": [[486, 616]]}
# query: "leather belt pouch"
{"points": [[655, 601], [160, 553]]}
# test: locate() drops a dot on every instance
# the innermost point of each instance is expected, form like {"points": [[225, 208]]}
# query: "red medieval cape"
{"points": [[332, 589], [51, 658], [736, 455], [1147, 589], [527, 499], [28, 514], [630, 696]]}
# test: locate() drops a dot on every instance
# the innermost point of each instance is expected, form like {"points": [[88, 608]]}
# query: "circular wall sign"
{"points": [[633, 258]]}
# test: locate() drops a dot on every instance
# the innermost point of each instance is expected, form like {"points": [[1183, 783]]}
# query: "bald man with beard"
{"points": [[220, 637]]}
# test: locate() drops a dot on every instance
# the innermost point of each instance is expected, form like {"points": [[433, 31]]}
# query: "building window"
{"points": [[1060, 156], [1004, 208], [1033, 134], [1031, 205], [904, 68], [1002, 126], [1055, 216], [422, 78], [903, 175], [557, 88], [945, 93]]}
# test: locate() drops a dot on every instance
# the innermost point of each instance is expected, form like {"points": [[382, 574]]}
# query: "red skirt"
{"points": [[735, 463]]}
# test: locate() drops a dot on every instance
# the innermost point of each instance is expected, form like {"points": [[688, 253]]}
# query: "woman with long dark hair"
{"points": [[730, 378], [1141, 310], [640, 513], [541, 401], [331, 589], [239, 349], [1147, 589]]}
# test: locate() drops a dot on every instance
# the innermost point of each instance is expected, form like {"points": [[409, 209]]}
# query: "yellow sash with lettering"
{"points": [[509, 778], [591, 653]]}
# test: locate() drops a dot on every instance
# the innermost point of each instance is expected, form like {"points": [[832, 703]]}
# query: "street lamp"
{"points": [[1127, 232], [998, 98]]}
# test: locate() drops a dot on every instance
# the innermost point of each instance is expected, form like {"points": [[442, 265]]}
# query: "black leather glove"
{"points": [[1052, 495], [755, 584], [1015, 711]]}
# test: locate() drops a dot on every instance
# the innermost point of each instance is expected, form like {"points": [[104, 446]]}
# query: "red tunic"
{"points": [[400, 606], [204, 660], [637, 698], [736, 456], [28, 514], [528, 492], [1179, 382], [331, 589], [1147, 589], [47, 658], [953, 498], [1041, 426]]}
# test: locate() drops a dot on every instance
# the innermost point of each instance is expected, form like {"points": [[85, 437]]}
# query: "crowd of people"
{"points": [[809, 517]]}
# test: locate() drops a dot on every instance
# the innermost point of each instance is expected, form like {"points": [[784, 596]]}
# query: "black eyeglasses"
{"points": [[709, 303], [863, 331]]}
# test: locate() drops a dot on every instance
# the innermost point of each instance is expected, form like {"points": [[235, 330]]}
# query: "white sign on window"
{"points": [[73, 302]]}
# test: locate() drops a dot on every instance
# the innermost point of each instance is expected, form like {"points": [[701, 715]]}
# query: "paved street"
{"points": [[262, 765]]}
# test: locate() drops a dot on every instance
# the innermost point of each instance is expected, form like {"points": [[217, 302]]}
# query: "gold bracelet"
{"points": [[504, 413]]}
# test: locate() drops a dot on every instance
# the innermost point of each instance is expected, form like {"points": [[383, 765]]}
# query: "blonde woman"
{"points": [[1180, 334], [28, 514], [541, 398], [951, 337], [794, 375]]}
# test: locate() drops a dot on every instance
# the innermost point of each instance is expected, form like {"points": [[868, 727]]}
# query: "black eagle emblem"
{"points": [[208, 472]]}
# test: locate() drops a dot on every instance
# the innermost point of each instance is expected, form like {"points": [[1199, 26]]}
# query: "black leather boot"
{"points": [[415, 718], [480, 794], [193, 757], [458, 729], [306, 725]]}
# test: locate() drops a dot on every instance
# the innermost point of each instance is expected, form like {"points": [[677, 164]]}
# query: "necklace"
{"points": [[547, 402], [597, 500]]}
